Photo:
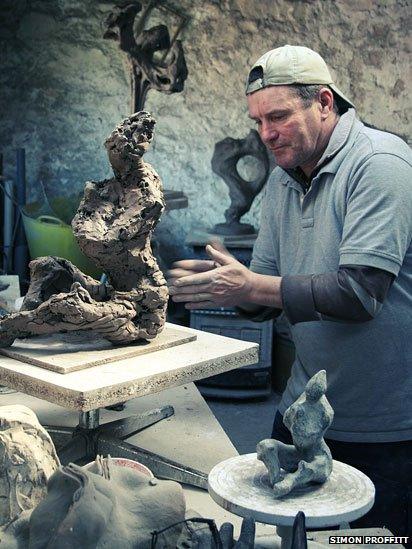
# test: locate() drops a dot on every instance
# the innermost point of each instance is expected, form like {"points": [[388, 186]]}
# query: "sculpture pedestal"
{"points": [[241, 485]]}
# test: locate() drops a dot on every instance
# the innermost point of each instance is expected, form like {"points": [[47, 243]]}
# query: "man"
{"points": [[334, 253]]}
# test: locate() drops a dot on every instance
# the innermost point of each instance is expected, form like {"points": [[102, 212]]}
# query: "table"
{"points": [[88, 390]]}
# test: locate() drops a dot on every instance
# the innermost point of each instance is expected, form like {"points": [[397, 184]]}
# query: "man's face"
{"points": [[291, 131]]}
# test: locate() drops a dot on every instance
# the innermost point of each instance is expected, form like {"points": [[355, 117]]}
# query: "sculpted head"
{"points": [[311, 415], [130, 140]]}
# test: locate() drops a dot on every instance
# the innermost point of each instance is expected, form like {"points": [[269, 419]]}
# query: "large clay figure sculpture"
{"points": [[113, 227], [27, 461], [309, 460]]}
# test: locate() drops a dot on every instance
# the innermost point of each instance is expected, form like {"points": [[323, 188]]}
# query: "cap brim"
{"points": [[342, 96]]}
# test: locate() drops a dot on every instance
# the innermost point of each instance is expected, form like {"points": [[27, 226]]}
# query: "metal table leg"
{"points": [[90, 438]]}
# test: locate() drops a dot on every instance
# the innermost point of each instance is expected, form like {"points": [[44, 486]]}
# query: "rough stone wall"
{"points": [[63, 88]]}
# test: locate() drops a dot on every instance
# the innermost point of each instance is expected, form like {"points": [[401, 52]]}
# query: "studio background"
{"points": [[63, 88]]}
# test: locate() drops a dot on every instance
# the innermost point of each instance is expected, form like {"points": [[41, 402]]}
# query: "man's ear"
{"points": [[326, 100]]}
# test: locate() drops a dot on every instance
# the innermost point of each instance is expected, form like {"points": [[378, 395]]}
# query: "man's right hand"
{"points": [[187, 267], [221, 282]]}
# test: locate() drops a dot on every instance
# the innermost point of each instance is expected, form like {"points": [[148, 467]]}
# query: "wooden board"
{"points": [[122, 380], [72, 351]]}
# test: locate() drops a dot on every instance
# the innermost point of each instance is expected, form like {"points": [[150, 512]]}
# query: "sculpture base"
{"points": [[241, 485], [72, 351]]}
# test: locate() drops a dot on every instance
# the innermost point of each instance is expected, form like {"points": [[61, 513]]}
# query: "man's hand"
{"points": [[222, 281]]}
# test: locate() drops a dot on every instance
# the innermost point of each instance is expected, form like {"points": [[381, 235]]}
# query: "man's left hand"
{"points": [[230, 283]]}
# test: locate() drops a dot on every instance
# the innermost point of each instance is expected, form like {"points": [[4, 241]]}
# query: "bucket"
{"points": [[48, 235]]}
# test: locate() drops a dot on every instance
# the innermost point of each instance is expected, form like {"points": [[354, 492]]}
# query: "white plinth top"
{"points": [[241, 485], [125, 379]]}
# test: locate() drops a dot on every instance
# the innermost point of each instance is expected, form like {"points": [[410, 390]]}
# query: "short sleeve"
{"points": [[377, 229]]}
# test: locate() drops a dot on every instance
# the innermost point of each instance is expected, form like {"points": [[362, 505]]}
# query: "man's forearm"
{"points": [[265, 290]]}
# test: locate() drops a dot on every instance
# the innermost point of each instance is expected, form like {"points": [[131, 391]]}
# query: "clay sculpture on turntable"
{"points": [[309, 459]]}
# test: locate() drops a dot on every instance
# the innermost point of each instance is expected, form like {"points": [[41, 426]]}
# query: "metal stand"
{"points": [[89, 439], [285, 533]]}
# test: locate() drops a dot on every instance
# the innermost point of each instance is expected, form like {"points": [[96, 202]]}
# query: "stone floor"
{"points": [[245, 422]]}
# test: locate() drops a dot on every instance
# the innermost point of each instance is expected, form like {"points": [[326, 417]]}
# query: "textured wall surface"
{"points": [[63, 87]]}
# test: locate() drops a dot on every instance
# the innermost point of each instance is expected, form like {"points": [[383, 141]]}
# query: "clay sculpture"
{"points": [[27, 461], [113, 227], [100, 506], [309, 459]]}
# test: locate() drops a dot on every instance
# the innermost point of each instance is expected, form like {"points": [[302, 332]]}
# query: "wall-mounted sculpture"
{"points": [[225, 160], [309, 460], [27, 461], [166, 74], [113, 227]]}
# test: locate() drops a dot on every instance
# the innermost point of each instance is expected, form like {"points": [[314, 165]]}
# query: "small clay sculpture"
{"points": [[309, 460], [100, 506], [113, 227], [27, 461]]}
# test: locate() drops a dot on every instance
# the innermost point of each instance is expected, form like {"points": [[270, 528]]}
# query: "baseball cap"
{"points": [[292, 65]]}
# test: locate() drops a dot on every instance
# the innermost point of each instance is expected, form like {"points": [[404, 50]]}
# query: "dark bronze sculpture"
{"points": [[167, 74], [226, 156]]}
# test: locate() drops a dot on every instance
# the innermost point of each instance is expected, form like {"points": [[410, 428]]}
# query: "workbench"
{"points": [[90, 390]]}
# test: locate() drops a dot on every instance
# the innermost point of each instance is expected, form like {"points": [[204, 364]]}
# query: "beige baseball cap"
{"points": [[291, 65]]}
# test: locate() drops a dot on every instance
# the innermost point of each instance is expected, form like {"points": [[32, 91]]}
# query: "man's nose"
{"points": [[268, 133]]}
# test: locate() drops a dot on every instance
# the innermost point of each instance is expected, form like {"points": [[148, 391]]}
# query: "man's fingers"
{"points": [[178, 273], [191, 289], [195, 298], [201, 305], [197, 265], [196, 279], [219, 246], [219, 257]]}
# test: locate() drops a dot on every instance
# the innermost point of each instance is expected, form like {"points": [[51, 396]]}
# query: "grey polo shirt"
{"points": [[358, 211]]}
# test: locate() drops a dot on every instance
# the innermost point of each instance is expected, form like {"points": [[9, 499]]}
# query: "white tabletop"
{"points": [[106, 384]]}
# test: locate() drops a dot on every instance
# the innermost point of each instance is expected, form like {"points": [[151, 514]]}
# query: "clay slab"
{"points": [[72, 351], [122, 380]]}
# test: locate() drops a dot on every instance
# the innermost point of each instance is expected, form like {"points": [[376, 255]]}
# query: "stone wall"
{"points": [[63, 87]]}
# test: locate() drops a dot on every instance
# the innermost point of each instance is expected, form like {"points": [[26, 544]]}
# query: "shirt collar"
{"points": [[329, 161], [338, 139]]}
